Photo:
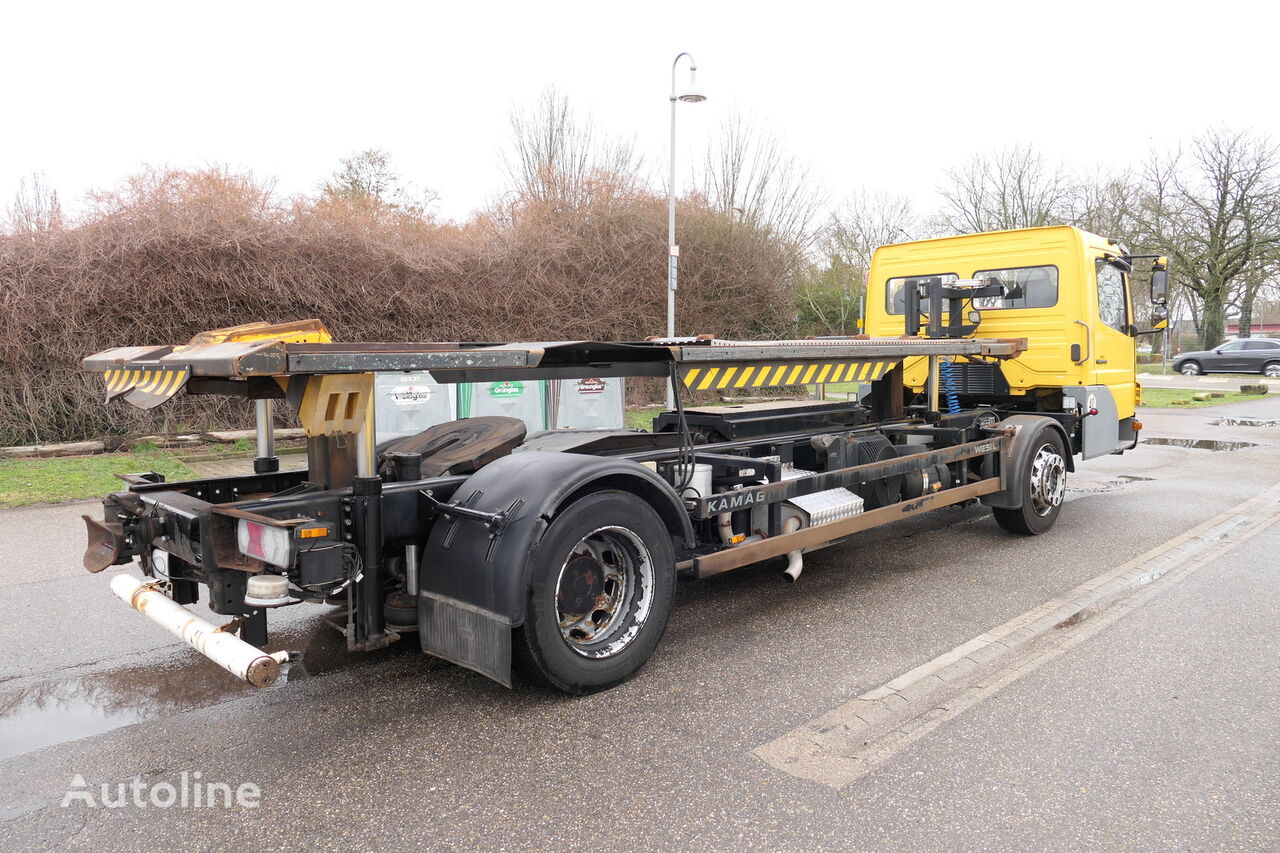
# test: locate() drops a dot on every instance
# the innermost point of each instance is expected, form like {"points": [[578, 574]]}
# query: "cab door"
{"points": [[1113, 359]]}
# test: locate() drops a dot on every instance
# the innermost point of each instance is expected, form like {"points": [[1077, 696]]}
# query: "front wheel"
{"points": [[1043, 489], [600, 590], [1272, 370], [1191, 368]]}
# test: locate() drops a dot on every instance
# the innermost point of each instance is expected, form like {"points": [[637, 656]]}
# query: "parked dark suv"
{"points": [[1251, 355]]}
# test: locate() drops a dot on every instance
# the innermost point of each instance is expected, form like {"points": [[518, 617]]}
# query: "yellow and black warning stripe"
{"points": [[145, 389], [776, 374]]}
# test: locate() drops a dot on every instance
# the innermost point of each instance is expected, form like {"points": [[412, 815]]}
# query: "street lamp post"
{"points": [[690, 95]]}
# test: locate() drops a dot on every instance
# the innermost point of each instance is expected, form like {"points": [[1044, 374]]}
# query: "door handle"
{"points": [[1088, 342], [1100, 361]]}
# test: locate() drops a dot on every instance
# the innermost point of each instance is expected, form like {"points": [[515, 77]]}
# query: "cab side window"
{"points": [[895, 289], [1024, 287], [1111, 302]]}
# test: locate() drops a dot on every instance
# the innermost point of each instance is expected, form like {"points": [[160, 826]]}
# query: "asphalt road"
{"points": [[1158, 730]]}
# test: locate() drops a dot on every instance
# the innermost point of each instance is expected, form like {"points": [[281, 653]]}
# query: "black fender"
{"points": [[472, 581], [1013, 458]]}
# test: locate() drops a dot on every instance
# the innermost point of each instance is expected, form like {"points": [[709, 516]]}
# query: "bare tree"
{"points": [[748, 173], [370, 177], [1253, 288], [1012, 188], [559, 157], [1107, 204], [35, 208], [831, 297], [1216, 213]]}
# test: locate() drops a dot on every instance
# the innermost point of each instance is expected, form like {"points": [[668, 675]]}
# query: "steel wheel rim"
{"points": [[1048, 480], [604, 592], [1190, 370]]}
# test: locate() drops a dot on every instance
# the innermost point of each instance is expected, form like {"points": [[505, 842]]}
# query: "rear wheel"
{"points": [[1272, 370], [1044, 487], [1190, 368], [600, 592]]}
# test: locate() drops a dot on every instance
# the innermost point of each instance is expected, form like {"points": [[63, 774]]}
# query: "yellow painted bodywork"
{"points": [[294, 332], [336, 403], [1108, 355]]}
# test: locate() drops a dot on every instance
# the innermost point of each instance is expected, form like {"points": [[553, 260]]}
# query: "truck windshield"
{"points": [[1111, 301]]}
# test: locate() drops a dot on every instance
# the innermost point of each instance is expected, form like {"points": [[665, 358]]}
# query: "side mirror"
{"points": [[1159, 287]]}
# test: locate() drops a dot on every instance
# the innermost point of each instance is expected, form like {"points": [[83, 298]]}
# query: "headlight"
{"points": [[272, 545]]}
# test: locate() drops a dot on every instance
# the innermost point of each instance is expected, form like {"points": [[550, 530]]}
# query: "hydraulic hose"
{"points": [[950, 382]]}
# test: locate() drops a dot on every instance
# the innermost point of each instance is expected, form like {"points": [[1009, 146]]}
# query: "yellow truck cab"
{"points": [[1064, 290]]}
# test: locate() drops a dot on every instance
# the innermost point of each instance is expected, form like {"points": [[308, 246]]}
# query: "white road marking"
{"points": [[843, 745]]}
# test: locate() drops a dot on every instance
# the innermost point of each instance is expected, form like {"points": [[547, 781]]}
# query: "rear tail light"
{"points": [[272, 545]]}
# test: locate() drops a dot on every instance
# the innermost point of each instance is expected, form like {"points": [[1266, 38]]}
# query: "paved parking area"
{"points": [[1158, 730]]}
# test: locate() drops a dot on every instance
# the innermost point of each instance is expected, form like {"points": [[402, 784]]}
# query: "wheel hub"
{"points": [[581, 585], [604, 591], [1048, 480]]}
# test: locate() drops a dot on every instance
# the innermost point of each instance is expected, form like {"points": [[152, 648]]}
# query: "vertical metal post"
{"points": [[411, 568], [264, 421], [673, 250], [367, 442], [673, 253], [366, 492]]}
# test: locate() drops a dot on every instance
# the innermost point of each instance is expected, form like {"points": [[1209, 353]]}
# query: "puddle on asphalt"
{"points": [[1200, 443], [1080, 486], [1246, 421], [70, 707]]}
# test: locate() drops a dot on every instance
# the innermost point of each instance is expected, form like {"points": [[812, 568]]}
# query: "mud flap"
{"points": [[467, 635]]}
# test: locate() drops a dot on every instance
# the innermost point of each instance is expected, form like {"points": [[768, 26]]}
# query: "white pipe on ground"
{"points": [[795, 559], [226, 650]]}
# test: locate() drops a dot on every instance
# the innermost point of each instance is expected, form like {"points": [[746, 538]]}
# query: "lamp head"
{"points": [[692, 95]]}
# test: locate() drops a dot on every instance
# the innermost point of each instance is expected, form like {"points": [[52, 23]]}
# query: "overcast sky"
{"points": [[885, 96]]}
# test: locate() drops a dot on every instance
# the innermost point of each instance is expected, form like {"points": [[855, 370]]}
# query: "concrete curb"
{"points": [[90, 448], [841, 745], [73, 448]]}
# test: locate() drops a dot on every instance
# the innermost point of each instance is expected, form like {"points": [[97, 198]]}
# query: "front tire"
{"points": [[601, 585], [1044, 487], [1190, 368]]}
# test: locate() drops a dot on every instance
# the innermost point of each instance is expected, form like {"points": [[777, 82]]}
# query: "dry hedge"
{"points": [[175, 253]]}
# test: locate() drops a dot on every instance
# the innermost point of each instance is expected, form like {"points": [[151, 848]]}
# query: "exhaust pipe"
{"points": [[795, 559], [226, 650]]}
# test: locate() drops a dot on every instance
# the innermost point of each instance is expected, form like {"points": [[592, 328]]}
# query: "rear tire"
{"points": [[1190, 368], [1271, 370], [1043, 488], [600, 590]]}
